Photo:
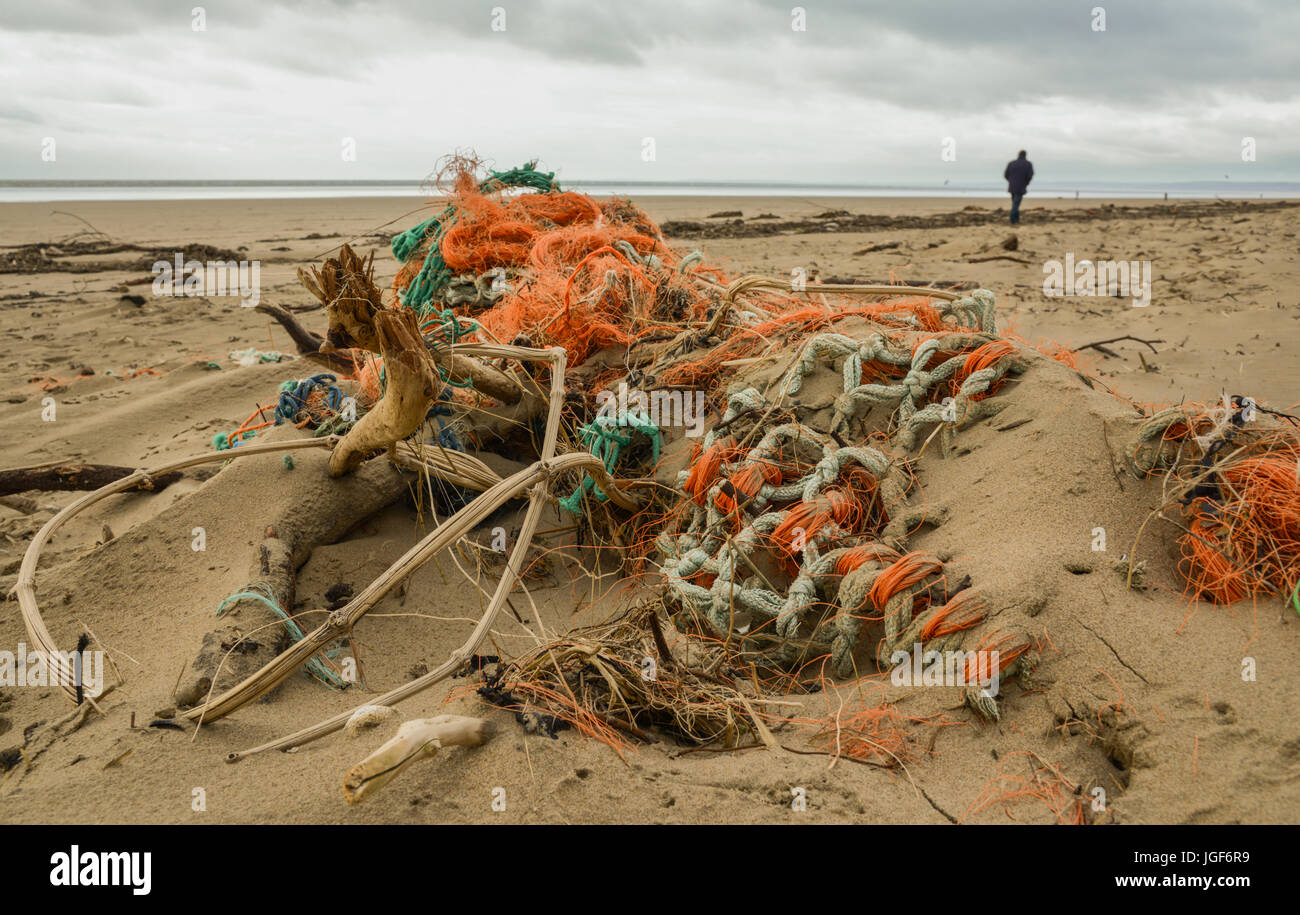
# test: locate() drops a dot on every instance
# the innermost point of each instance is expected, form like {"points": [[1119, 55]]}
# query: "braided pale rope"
{"points": [[700, 548], [912, 636], [852, 601], [483, 290], [1151, 438]]}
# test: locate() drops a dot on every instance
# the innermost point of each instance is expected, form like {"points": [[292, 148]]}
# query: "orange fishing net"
{"points": [[580, 274], [1246, 539]]}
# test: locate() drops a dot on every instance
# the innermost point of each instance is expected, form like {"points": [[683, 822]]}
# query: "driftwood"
{"points": [[485, 378], [489, 427], [74, 475], [309, 343], [341, 621], [413, 384], [542, 470], [418, 739], [345, 285]]}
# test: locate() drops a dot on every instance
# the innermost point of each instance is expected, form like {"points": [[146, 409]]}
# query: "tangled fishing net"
{"points": [[779, 541], [1236, 467], [553, 267]]}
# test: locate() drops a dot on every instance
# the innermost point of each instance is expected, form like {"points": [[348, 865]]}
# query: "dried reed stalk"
{"points": [[345, 286], [455, 467]]}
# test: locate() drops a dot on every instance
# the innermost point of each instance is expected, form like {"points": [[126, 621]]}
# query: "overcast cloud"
{"points": [[866, 94]]}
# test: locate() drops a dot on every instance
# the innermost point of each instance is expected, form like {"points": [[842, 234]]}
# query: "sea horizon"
{"points": [[44, 190]]}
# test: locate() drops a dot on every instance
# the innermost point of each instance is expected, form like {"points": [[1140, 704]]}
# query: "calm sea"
{"points": [[41, 191]]}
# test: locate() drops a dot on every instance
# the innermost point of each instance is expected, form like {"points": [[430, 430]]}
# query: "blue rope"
{"points": [[448, 437], [316, 667], [294, 394]]}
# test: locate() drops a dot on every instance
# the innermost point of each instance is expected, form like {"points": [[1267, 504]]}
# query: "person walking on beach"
{"points": [[1018, 174]]}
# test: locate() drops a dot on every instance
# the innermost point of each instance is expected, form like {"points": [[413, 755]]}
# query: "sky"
{"points": [[827, 91]]}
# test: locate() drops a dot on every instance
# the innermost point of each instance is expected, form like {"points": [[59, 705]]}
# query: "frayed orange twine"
{"points": [[858, 556], [907, 571], [965, 611], [804, 521]]}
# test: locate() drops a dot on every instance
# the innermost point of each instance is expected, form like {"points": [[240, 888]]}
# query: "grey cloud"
{"points": [[1000, 50], [725, 71]]}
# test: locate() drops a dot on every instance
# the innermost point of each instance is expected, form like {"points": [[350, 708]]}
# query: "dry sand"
{"points": [[1141, 693]]}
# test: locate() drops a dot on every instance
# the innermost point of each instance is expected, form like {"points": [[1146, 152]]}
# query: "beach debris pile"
{"points": [[768, 556], [598, 279]]}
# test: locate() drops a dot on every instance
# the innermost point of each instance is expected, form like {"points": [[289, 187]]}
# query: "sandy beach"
{"points": [[1140, 692]]}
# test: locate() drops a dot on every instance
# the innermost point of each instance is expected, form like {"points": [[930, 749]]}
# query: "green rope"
{"points": [[434, 274], [316, 667], [607, 443]]}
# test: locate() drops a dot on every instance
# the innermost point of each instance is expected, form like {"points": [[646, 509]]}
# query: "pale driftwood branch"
{"points": [[413, 384], [418, 739], [485, 378]]}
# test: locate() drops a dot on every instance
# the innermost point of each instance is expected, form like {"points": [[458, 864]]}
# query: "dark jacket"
{"points": [[1018, 174]]}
